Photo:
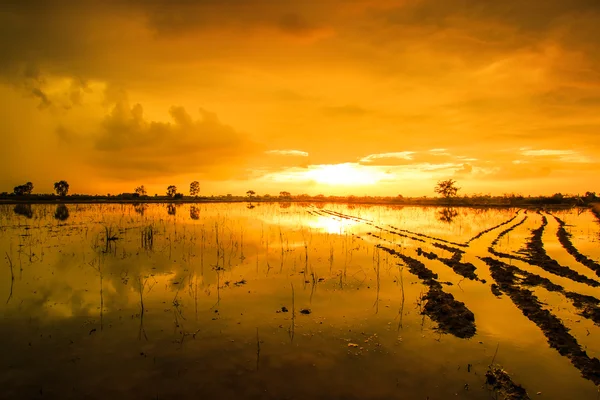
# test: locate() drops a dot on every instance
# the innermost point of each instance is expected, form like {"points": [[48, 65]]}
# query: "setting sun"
{"points": [[345, 174]]}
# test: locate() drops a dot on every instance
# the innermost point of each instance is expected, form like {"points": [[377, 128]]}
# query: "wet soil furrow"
{"points": [[587, 306], [466, 270], [371, 223], [463, 269], [429, 237], [564, 238], [483, 232], [537, 256], [505, 232], [556, 333], [452, 316]]}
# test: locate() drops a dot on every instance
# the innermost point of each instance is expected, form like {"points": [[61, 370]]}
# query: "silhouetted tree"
{"points": [[285, 195], [24, 210], [447, 188], [61, 188], [24, 190], [140, 190], [61, 213], [250, 193], [194, 188], [447, 215], [172, 191], [194, 212]]}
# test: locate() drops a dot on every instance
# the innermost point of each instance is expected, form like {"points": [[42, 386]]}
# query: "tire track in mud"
{"points": [[466, 270], [564, 238], [587, 306], [508, 280], [483, 232], [451, 315], [537, 256], [398, 231], [556, 332], [505, 232]]}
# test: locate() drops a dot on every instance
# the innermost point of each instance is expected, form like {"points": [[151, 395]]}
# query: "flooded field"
{"points": [[298, 301]]}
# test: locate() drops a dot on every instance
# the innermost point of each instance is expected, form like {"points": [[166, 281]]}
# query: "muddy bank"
{"points": [[556, 333], [452, 316], [564, 238], [537, 256], [501, 382]]}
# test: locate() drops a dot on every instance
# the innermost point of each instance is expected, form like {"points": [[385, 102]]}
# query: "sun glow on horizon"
{"points": [[346, 174]]}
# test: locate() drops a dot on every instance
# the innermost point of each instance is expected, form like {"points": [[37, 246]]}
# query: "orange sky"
{"points": [[376, 97]]}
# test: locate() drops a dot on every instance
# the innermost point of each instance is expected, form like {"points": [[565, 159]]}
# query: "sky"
{"points": [[363, 97]]}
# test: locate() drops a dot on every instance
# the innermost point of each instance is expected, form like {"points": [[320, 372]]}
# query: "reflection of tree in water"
{"points": [[24, 210], [140, 208], [194, 212], [285, 205], [61, 213], [447, 214], [171, 209]]}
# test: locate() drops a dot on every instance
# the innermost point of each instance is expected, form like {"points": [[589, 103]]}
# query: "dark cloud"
{"points": [[128, 145]]}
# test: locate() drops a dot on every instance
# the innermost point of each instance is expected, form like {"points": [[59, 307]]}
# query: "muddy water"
{"points": [[282, 301]]}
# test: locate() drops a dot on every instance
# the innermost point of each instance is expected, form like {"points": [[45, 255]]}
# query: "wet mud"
{"points": [[452, 316], [556, 332]]}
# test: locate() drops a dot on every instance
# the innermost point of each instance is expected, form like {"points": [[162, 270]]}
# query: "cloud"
{"points": [[128, 145], [383, 157], [544, 152], [464, 170], [288, 153], [452, 84], [567, 156]]}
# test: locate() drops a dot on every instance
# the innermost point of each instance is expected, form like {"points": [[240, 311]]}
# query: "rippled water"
{"points": [[282, 301]]}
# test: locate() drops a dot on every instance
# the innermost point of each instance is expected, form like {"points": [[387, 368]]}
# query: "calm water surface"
{"points": [[281, 301]]}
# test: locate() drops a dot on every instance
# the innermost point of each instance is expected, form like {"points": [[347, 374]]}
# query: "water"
{"points": [[185, 301]]}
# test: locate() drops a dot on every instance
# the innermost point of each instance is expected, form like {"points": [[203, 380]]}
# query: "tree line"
{"points": [[447, 189]]}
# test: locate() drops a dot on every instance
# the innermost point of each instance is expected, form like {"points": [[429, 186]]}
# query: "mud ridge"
{"points": [[500, 236], [429, 237], [556, 333], [538, 256], [564, 238], [397, 234], [587, 306], [452, 316], [466, 270], [483, 232], [501, 382]]}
